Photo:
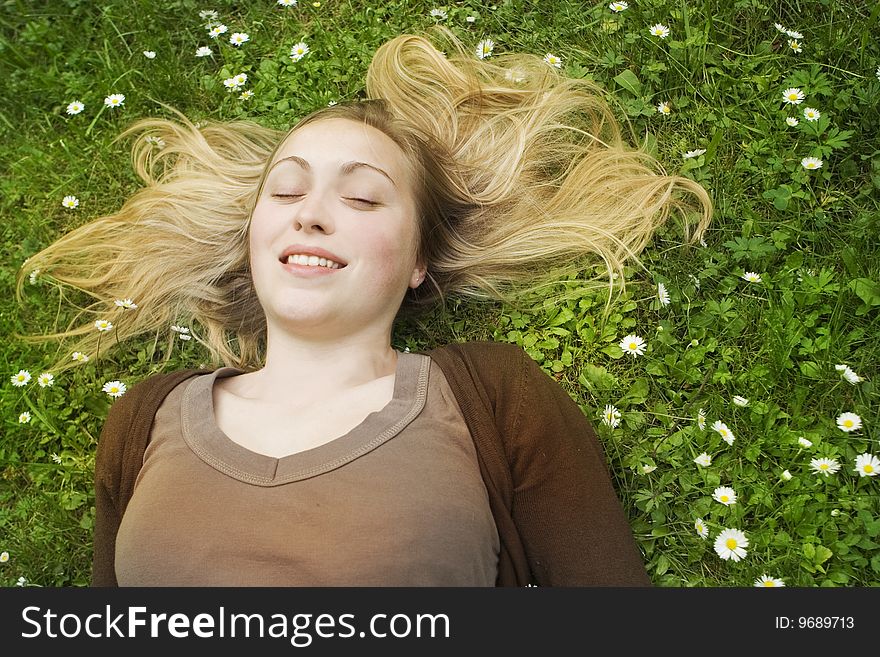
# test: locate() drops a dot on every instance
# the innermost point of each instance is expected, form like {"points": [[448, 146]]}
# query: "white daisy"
{"points": [[246, 94], [701, 420], [45, 379], [633, 344], [114, 388], [114, 100], [825, 466], [740, 401], [4, 557], [128, 304], [24, 418], [752, 277], [438, 13], [184, 336], [725, 494], [663, 108], [779, 27], [471, 19], [553, 60], [731, 544], [786, 475], [79, 356], [794, 35], [700, 526], [803, 442], [55, 457], [70, 202], [811, 114], [208, 14], [20, 379], [240, 79], [693, 153], [659, 30], [703, 459], [179, 329], [867, 465], [239, 38], [298, 51], [726, 434], [150, 54], [611, 416], [103, 325], [617, 7], [795, 45], [158, 142], [793, 96], [484, 48], [217, 30], [662, 294], [791, 121], [849, 422], [203, 51], [766, 580], [851, 376], [21, 581], [647, 468], [75, 107]]}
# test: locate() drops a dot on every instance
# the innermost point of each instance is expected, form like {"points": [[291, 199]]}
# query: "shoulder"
{"points": [[481, 353], [135, 409]]}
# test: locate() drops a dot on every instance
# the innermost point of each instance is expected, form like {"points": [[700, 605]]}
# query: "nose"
{"points": [[311, 215]]}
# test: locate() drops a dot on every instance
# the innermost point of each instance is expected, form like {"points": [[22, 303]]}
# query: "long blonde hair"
{"points": [[523, 177]]}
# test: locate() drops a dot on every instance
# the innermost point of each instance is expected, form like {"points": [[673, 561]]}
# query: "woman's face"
{"points": [[317, 196]]}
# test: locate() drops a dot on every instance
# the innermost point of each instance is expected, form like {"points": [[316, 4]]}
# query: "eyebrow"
{"points": [[346, 169]]}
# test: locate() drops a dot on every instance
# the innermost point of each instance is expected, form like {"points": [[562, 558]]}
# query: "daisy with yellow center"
{"points": [[767, 581], [849, 422], [611, 416], [633, 345], [867, 465], [811, 163], [24, 418], [553, 60], [20, 379], [70, 202], [752, 277], [725, 433], [299, 51], [659, 30], [731, 544], [793, 96], [103, 325], [484, 48], [825, 466], [702, 529], [725, 495], [114, 388], [663, 108], [811, 114], [45, 379]]}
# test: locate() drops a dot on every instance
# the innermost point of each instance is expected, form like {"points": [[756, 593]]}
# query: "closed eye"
{"points": [[359, 200]]}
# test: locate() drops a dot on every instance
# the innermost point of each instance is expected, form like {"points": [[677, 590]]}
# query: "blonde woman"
{"points": [[312, 452]]}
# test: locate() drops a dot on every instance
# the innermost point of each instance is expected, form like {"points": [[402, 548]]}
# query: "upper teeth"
{"points": [[302, 259]]}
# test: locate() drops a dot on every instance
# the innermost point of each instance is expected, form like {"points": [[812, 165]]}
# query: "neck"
{"points": [[311, 369]]}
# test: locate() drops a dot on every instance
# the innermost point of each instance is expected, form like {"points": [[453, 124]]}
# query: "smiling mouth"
{"points": [[311, 261]]}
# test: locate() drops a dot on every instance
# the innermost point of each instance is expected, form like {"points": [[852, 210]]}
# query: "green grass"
{"points": [[812, 236]]}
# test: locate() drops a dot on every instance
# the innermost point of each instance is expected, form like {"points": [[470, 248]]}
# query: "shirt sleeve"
{"points": [[571, 522]]}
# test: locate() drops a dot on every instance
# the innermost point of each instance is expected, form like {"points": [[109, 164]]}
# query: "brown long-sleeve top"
{"points": [[557, 515]]}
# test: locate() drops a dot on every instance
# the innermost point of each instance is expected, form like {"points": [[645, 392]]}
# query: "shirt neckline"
{"points": [[203, 435]]}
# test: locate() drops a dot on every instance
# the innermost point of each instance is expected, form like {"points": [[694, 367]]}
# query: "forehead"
{"points": [[334, 141]]}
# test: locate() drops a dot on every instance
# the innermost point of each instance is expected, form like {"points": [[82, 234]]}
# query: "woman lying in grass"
{"points": [[313, 452]]}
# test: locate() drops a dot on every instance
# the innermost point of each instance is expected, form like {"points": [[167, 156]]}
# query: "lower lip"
{"points": [[309, 271]]}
